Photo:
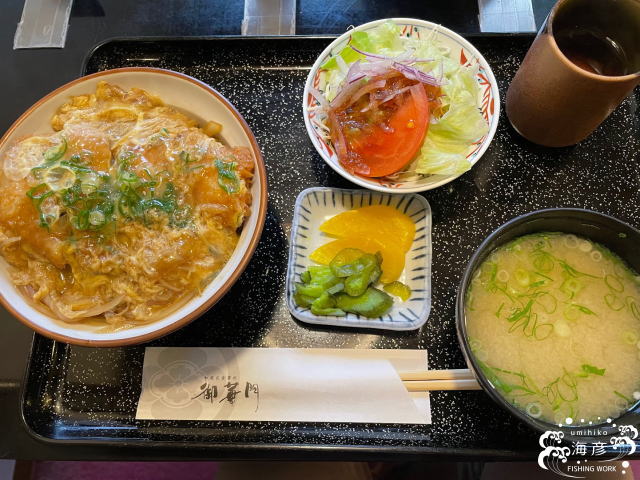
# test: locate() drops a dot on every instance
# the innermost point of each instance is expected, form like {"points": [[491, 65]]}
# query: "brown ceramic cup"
{"points": [[583, 63]]}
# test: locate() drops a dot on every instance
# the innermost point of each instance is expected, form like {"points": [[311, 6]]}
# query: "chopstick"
{"points": [[460, 379], [426, 375]]}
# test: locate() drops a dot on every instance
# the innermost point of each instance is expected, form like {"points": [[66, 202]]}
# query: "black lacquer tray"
{"points": [[75, 394]]}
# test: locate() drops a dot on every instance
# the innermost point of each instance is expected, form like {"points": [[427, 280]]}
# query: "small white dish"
{"points": [[461, 49], [314, 206]]}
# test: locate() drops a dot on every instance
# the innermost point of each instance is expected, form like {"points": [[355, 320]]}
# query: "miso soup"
{"points": [[554, 322]]}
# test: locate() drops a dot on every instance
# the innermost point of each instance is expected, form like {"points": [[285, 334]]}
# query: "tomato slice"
{"points": [[386, 149]]}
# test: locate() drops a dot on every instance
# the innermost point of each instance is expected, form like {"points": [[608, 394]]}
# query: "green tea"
{"points": [[600, 36]]}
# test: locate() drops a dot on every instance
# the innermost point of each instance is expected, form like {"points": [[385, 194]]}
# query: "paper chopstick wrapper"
{"points": [[281, 384], [43, 24], [506, 16]]}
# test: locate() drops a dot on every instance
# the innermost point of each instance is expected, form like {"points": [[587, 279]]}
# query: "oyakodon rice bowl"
{"points": [[552, 321], [134, 198]]}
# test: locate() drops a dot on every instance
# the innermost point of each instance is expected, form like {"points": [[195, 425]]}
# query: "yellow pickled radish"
{"points": [[392, 258], [387, 224], [376, 228]]}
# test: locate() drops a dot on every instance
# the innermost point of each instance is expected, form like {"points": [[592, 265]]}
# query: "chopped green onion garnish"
{"points": [[624, 397], [227, 178], [614, 283], [614, 302], [593, 370], [97, 218], [55, 153], [630, 338], [59, 178]]}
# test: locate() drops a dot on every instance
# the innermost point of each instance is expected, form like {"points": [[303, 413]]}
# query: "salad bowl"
{"points": [[458, 51]]}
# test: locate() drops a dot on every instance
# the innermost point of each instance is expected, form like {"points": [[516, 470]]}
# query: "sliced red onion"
{"points": [[337, 137], [357, 77], [416, 92], [402, 65], [320, 97], [413, 73], [374, 104], [394, 95], [350, 93], [376, 68], [355, 72], [368, 87], [369, 54], [345, 94]]}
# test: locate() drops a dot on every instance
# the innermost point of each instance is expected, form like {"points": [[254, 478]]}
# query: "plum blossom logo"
{"points": [[169, 384], [553, 453], [174, 378]]}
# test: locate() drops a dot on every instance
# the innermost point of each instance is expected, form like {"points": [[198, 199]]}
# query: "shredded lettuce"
{"points": [[448, 139], [359, 40]]}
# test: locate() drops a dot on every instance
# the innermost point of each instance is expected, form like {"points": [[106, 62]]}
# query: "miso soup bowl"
{"points": [[619, 237]]}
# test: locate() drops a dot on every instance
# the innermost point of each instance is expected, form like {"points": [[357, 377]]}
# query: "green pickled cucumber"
{"points": [[325, 305], [372, 303], [344, 285], [347, 262]]}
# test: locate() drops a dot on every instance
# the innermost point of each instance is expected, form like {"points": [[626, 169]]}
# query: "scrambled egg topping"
{"points": [[125, 212]]}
